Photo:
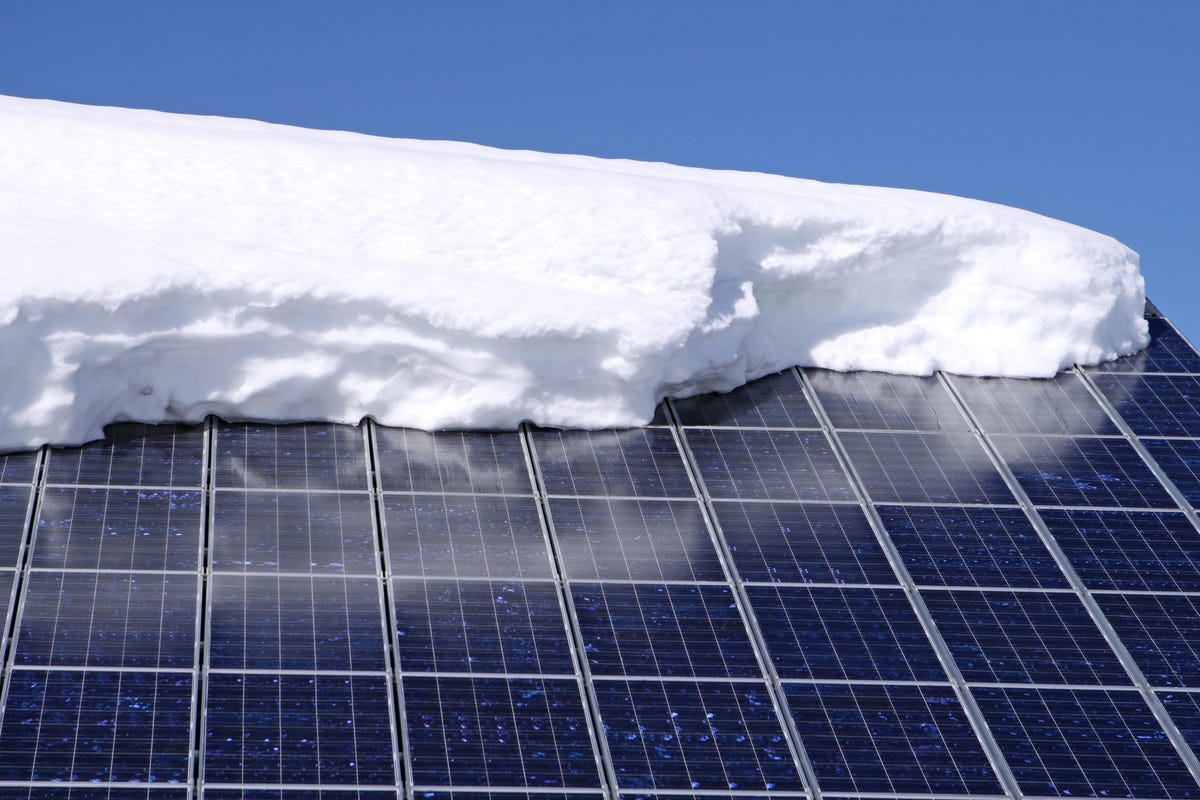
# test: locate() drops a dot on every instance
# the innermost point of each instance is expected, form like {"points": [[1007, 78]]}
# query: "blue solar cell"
{"points": [[1129, 550], [663, 630], [950, 546], [118, 529], [295, 622], [637, 462], [437, 536], [1155, 405], [768, 465], [1023, 637], [1060, 471], [96, 726], [17, 467], [880, 738], [313, 456], [835, 633], [82, 619], [7, 579], [451, 794], [480, 627], [1180, 460], [294, 532], [298, 794], [803, 543], [1184, 708], [133, 455], [601, 538], [886, 402], [1061, 404], [1161, 631], [95, 792], [1086, 743], [776, 401], [480, 462], [519, 732], [327, 729], [684, 735], [1168, 352], [925, 468], [14, 510]]}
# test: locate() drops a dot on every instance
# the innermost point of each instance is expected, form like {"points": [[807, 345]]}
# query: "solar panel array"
{"points": [[820, 585]]}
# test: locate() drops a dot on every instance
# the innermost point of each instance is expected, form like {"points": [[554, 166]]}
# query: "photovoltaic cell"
{"points": [[889, 739], [93, 792], [488, 732], [14, 508], [298, 794], [1023, 637], [484, 795], [124, 529], [1180, 460], [436, 536], [1061, 405], [925, 468], [312, 456], [1155, 405], [7, 578], [768, 465], [952, 546], [480, 627], [637, 462], [776, 401], [1168, 352], [684, 735], [1184, 708], [132, 454], [1059, 471], [479, 462], [835, 633], [317, 729], [91, 726], [294, 532], [17, 467], [803, 543], [886, 402], [1129, 550], [663, 630], [613, 539], [88, 619], [1088, 743], [1162, 632]]}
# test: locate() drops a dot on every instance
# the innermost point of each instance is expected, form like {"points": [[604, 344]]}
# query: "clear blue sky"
{"points": [[1085, 111]]}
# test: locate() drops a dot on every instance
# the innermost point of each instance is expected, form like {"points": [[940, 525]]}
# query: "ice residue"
{"points": [[163, 267]]}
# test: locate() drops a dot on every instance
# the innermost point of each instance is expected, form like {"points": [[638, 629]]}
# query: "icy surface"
{"points": [[162, 267]]}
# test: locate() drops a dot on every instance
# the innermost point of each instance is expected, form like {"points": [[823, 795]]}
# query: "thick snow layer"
{"points": [[162, 267]]}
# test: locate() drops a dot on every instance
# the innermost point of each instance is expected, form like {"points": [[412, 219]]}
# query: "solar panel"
{"points": [[768, 465], [1161, 631], [925, 468], [1168, 352], [1061, 405], [876, 400], [1180, 460], [1155, 405], [776, 401]]}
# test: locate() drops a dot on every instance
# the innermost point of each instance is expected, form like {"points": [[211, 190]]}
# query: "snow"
{"points": [[163, 267]]}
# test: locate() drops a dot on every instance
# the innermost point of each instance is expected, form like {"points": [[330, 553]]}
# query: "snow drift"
{"points": [[162, 267]]}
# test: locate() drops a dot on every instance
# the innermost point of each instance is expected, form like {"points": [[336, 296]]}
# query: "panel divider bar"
{"points": [[21, 575], [1085, 595], [203, 608], [762, 655], [991, 748]]}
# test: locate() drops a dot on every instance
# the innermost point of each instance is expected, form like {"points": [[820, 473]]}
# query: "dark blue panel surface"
{"points": [[1129, 550], [17, 467], [833, 633], [294, 532], [311, 456], [1062, 404], [14, 511], [118, 529], [634, 540], [1155, 405], [878, 738], [886, 402], [1180, 460], [768, 465], [328, 729], [637, 462], [452, 461], [803, 543], [682, 735], [82, 619], [949, 546], [1184, 708], [7, 578], [1168, 352], [480, 627], [1161, 631], [776, 401], [925, 468], [96, 726], [498, 732], [299, 794], [95, 792], [1084, 743], [436, 536], [1023, 637], [133, 455], [1060, 471], [468, 794], [665, 630], [293, 622]]}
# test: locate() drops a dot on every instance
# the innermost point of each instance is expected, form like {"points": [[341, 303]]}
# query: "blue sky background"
{"points": [[1085, 111]]}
